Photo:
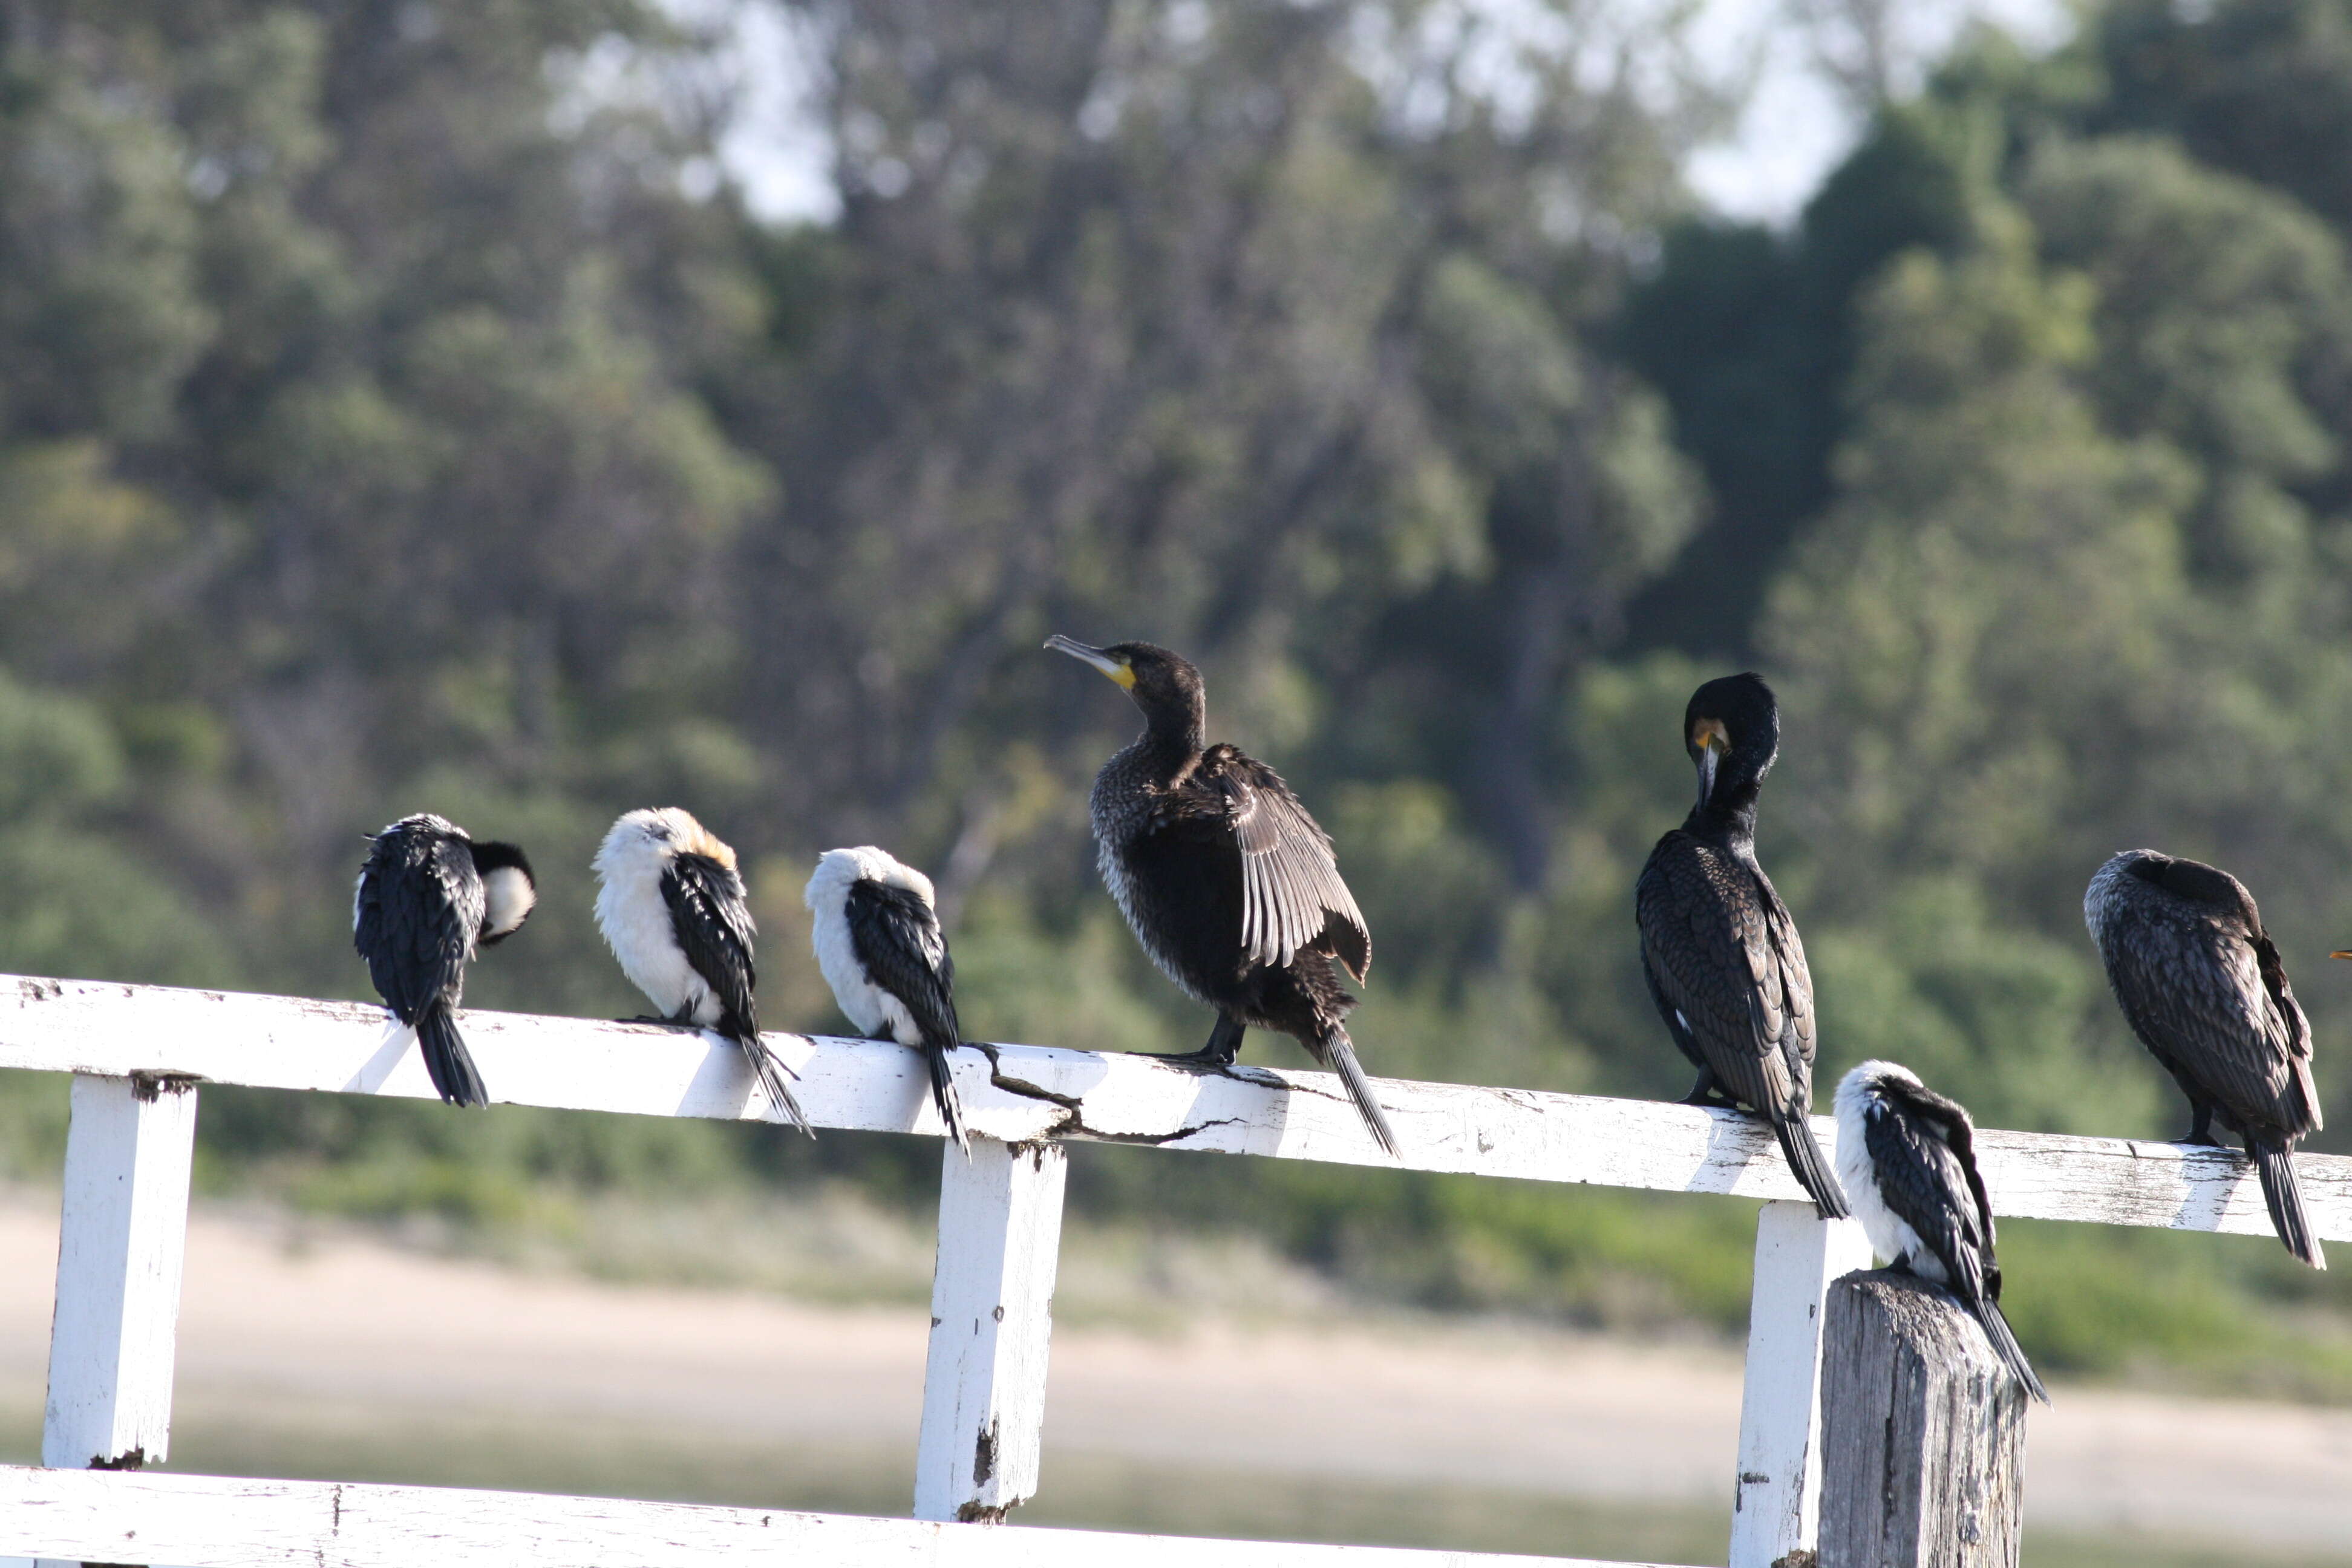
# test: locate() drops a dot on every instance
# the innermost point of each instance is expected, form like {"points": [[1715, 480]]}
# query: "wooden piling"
{"points": [[1923, 1432]]}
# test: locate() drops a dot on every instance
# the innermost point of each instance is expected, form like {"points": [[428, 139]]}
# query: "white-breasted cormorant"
{"points": [[877, 934], [2202, 985], [1907, 1157], [672, 907], [428, 898], [1720, 951], [1229, 884]]}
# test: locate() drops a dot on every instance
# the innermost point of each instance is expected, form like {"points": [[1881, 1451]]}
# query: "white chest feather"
{"points": [[635, 920], [871, 1011], [1891, 1235]]}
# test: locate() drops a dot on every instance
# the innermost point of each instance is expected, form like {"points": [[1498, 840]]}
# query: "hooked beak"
{"points": [[1094, 656], [1708, 757]]}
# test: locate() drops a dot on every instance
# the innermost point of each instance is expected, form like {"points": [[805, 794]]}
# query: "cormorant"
{"points": [[1229, 884], [2202, 986], [671, 905], [1907, 1158], [878, 939], [1720, 951], [428, 898]]}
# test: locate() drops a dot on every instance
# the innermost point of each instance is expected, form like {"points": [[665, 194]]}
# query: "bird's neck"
{"points": [[1728, 816], [1172, 739]]}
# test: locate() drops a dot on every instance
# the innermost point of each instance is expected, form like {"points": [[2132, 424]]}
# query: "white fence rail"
{"points": [[138, 1053]]}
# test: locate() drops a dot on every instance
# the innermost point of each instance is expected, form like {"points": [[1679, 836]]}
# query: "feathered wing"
{"points": [[712, 919], [1922, 1150], [1292, 894], [896, 935], [1728, 975], [418, 908]]}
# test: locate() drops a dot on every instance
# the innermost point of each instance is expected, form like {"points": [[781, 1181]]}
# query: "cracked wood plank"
{"points": [[122, 1235], [991, 1316], [210, 1521], [1019, 1094]]}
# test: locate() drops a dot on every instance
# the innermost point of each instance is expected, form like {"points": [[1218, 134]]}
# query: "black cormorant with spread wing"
{"points": [[673, 908], [428, 898], [2204, 988], [1229, 884], [1907, 1158], [875, 924], [1721, 953]]}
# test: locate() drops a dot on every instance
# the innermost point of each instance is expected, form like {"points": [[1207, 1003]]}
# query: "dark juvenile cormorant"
{"points": [[1907, 1158], [1721, 953], [1229, 884], [878, 939], [2202, 986], [672, 908], [428, 898]]}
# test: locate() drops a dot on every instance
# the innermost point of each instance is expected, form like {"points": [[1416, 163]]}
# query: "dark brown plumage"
{"points": [[2202, 985], [1720, 950]]}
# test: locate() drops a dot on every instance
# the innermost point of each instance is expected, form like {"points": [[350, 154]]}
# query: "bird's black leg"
{"points": [[1225, 1045], [2200, 1124], [1705, 1092]]}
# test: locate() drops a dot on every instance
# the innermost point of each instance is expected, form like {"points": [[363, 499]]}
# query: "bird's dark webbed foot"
{"points": [[1705, 1092], [2200, 1128], [1224, 1046]]}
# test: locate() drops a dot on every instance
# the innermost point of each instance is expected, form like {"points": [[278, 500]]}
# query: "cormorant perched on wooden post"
{"points": [[1907, 1157], [1719, 948], [428, 900], [876, 929], [673, 908], [1229, 884], [2202, 986]]}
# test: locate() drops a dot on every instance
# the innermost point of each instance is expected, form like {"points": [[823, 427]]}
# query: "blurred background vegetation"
{"points": [[401, 408]]}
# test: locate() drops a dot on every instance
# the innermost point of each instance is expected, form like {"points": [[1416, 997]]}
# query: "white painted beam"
{"points": [[209, 1521], [991, 1316], [1776, 1501], [1019, 1094], [122, 1237]]}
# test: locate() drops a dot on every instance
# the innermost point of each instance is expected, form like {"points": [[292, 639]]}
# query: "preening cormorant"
{"points": [[428, 898], [1229, 884], [2202, 986], [878, 939], [1720, 951], [672, 908], [1907, 1158]]}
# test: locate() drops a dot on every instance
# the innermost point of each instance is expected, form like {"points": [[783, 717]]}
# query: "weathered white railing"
{"points": [[139, 1052]]}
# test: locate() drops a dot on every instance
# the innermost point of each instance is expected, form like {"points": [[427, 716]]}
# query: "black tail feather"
{"points": [[1341, 1054], [445, 1058], [2275, 1165], [2005, 1346], [943, 1094], [772, 1072], [1795, 1132]]}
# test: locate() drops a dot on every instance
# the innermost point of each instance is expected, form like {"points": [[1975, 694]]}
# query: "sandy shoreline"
{"points": [[350, 1329]]}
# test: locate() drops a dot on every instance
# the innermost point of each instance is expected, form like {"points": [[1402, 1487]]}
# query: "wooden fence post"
{"points": [[1923, 1432], [1776, 1504], [992, 1314]]}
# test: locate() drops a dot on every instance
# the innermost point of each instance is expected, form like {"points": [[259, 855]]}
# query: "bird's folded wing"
{"points": [[1923, 1181], [897, 936], [2198, 990], [713, 922], [1710, 957], [414, 925], [1291, 890]]}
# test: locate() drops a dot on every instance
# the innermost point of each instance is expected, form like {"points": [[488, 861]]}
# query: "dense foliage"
{"points": [[399, 408]]}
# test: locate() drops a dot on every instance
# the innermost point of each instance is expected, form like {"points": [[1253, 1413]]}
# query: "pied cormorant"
{"points": [[428, 898], [1719, 948], [1907, 1158], [671, 905], [1229, 884], [2202, 986], [876, 930]]}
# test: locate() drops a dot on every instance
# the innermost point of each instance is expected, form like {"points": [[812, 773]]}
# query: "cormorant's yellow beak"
{"points": [[1117, 668], [2341, 953], [1712, 741]]}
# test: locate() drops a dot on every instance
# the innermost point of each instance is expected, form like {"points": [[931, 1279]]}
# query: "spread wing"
{"points": [[1727, 971], [713, 922], [1922, 1151], [418, 908], [1292, 897], [2192, 984], [896, 937]]}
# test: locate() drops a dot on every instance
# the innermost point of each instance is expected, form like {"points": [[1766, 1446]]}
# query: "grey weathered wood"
{"points": [[1923, 1432]]}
